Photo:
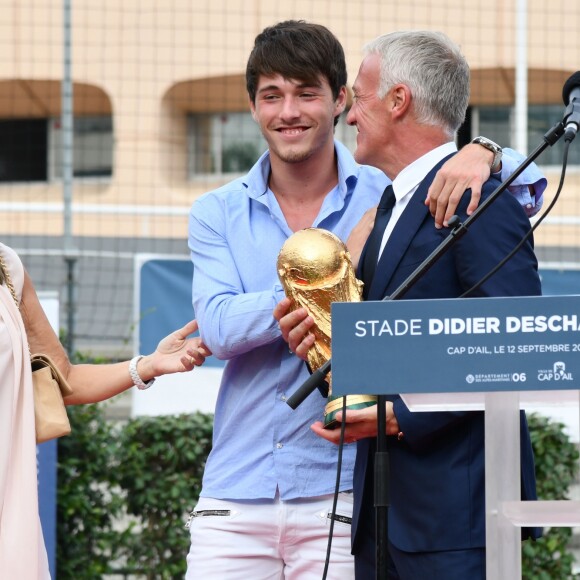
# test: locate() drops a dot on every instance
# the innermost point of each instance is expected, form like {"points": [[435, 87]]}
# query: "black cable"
{"points": [[532, 229], [336, 489]]}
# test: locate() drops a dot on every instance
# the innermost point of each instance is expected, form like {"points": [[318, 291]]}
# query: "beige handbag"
{"points": [[50, 417], [49, 388]]}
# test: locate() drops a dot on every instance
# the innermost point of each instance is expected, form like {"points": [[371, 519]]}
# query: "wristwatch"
{"points": [[494, 148]]}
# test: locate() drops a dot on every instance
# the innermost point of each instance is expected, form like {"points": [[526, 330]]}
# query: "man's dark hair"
{"points": [[298, 50]]}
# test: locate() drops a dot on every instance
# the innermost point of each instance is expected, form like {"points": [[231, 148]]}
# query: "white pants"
{"points": [[270, 539]]}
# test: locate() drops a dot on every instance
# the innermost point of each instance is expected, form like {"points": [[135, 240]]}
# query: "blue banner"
{"points": [[458, 345], [47, 465], [46, 455], [164, 301]]}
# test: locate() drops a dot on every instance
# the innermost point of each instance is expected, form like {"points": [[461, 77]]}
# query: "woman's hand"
{"points": [[174, 354]]}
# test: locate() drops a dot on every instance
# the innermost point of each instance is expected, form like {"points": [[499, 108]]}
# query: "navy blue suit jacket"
{"points": [[437, 481]]}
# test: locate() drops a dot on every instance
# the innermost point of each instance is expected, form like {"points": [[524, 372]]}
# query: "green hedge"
{"points": [[556, 467], [86, 538], [125, 492], [160, 466]]}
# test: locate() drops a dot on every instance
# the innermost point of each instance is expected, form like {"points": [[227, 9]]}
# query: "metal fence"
{"points": [[115, 117]]}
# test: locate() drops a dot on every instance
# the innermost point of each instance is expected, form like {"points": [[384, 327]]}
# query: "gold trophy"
{"points": [[315, 270]]}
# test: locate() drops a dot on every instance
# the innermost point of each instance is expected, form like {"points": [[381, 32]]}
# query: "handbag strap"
{"points": [[7, 279], [42, 360]]}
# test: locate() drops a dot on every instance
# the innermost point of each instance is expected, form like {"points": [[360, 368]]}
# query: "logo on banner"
{"points": [[556, 373], [496, 378]]}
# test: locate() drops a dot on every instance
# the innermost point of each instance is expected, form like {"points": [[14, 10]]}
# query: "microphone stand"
{"points": [[381, 473]]}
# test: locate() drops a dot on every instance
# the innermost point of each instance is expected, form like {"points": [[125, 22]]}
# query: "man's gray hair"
{"points": [[433, 68]]}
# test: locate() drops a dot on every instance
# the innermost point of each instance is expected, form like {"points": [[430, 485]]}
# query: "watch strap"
{"points": [[494, 148]]}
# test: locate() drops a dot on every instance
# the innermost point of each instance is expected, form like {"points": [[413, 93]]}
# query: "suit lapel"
{"points": [[401, 237]]}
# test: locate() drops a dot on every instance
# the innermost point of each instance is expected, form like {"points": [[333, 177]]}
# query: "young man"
{"points": [[406, 112], [268, 482]]}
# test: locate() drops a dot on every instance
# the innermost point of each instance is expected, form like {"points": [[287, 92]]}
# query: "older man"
{"points": [[411, 94]]}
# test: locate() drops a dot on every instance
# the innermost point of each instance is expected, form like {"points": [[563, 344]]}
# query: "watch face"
{"points": [[488, 144]]}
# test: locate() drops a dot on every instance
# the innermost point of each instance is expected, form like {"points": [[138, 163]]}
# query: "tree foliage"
{"points": [[556, 467]]}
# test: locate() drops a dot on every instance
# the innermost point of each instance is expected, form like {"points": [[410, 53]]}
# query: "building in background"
{"points": [[161, 115]]}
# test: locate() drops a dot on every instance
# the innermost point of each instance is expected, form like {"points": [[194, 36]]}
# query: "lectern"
{"points": [[491, 354]]}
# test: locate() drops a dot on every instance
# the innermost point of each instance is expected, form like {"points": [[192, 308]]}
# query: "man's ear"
{"points": [[400, 100], [253, 110], [340, 103]]}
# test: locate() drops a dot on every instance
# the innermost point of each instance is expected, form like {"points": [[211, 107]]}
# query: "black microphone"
{"points": [[571, 96], [316, 380]]}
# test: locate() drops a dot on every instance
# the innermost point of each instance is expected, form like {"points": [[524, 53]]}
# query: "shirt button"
{"points": [[279, 445], [283, 397], [529, 206]]}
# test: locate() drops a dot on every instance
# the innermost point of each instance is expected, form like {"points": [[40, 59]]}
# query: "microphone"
{"points": [[315, 380], [571, 97]]}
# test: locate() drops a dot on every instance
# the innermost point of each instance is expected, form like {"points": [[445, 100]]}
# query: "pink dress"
{"points": [[22, 551]]}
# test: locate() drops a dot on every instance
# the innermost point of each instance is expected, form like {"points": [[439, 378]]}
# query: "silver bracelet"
{"points": [[137, 380]]}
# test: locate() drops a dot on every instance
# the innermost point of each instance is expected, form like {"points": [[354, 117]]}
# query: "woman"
{"points": [[26, 329]]}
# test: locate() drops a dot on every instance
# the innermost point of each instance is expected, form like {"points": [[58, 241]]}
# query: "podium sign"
{"points": [[498, 346], [456, 345]]}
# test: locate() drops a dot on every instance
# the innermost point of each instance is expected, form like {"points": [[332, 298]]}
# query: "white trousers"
{"points": [[270, 539]]}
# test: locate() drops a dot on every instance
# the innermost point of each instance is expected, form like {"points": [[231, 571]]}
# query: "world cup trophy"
{"points": [[315, 269]]}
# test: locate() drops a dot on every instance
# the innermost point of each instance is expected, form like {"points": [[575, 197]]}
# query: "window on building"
{"points": [[30, 149], [92, 147], [498, 124], [230, 143], [541, 118], [23, 150], [223, 143]]}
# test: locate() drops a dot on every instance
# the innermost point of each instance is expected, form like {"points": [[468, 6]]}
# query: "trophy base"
{"points": [[353, 402]]}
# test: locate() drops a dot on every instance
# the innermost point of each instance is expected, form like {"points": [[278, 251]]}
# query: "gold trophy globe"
{"points": [[315, 269]]}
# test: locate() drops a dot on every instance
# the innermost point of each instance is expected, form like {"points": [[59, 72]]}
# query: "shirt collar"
{"points": [[408, 180], [256, 181], [348, 169]]}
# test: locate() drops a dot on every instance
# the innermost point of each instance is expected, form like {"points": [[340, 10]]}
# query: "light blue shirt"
{"points": [[519, 188], [235, 234]]}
